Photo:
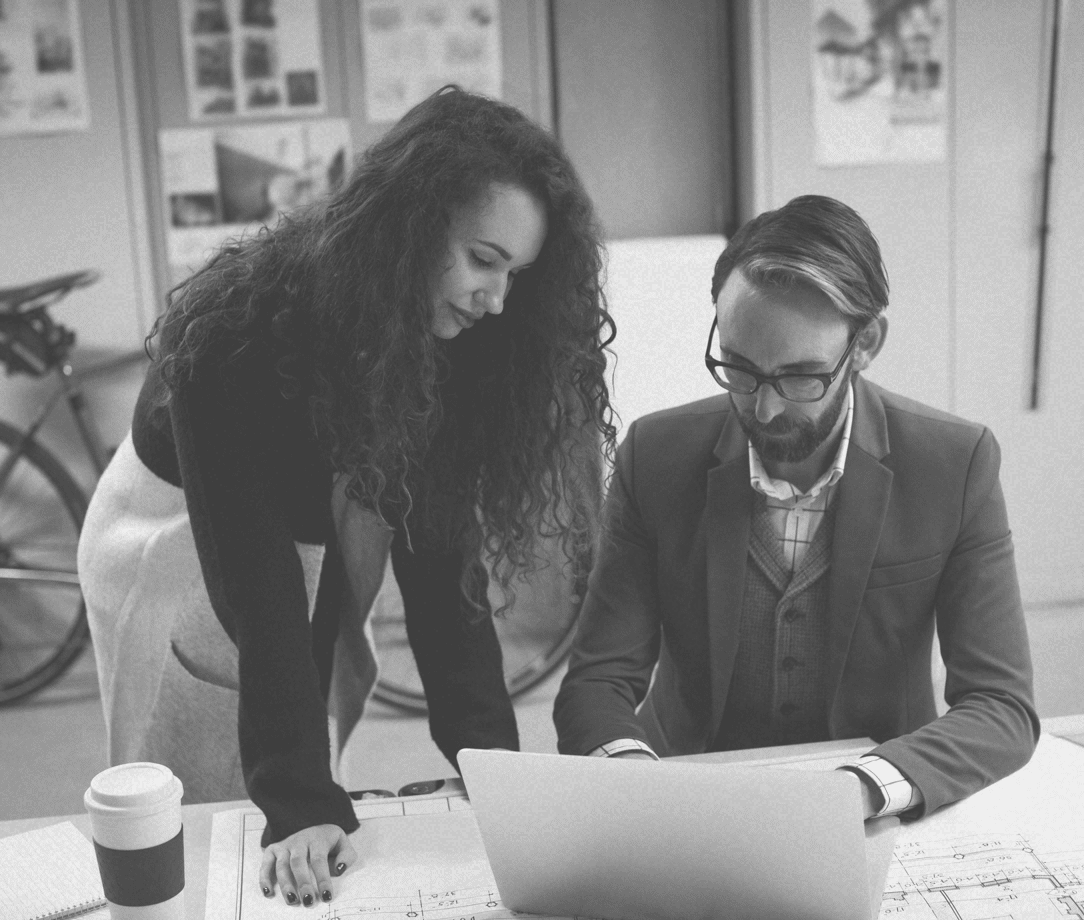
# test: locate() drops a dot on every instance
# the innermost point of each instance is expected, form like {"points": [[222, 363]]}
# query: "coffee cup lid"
{"points": [[133, 785]]}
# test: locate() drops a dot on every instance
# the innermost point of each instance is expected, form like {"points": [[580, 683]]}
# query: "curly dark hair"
{"points": [[485, 443]]}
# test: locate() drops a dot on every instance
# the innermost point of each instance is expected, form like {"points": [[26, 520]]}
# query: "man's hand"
{"points": [[304, 862]]}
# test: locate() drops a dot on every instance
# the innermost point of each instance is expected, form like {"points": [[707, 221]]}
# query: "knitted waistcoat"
{"points": [[777, 692]]}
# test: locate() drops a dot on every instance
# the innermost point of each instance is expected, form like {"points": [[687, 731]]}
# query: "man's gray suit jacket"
{"points": [[921, 537]]}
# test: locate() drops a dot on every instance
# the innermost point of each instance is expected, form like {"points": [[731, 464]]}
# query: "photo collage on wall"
{"points": [[252, 58], [43, 81]]}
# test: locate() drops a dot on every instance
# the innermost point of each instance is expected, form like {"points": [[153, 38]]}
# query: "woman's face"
{"points": [[488, 243]]}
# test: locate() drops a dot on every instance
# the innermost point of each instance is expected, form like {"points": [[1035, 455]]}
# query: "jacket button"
{"points": [[791, 615], [788, 709], [789, 664]]}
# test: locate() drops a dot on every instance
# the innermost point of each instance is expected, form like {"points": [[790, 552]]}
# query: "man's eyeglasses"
{"points": [[795, 387]]}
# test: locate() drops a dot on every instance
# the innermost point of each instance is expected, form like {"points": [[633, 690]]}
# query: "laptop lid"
{"points": [[637, 840]]}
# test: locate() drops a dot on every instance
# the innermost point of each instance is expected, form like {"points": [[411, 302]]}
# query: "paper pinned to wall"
{"points": [[252, 58], [413, 47], [219, 183], [880, 74], [43, 80]]}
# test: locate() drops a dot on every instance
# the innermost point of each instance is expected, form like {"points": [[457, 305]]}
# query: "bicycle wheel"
{"points": [[535, 634], [43, 621]]}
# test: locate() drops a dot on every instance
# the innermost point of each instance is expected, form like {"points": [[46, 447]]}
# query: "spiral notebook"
{"points": [[50, 874]]}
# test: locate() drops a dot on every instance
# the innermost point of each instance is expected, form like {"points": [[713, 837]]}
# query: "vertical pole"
{"points": [[1044, 217], [555, 95]]}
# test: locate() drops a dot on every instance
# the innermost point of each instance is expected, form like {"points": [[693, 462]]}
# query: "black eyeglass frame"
{"points": [[713, 364]]}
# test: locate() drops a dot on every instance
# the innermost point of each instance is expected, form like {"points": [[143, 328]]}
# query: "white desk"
{"points": [[197, 818]]}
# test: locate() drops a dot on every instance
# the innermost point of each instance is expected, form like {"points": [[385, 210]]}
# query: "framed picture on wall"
{"points": [[252, 58]]}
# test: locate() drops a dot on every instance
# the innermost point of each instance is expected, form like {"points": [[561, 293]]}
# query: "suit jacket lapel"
{"points": [[727, 517], [862, 505]]}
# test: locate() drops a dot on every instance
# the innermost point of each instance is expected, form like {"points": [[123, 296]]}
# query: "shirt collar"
{"points": [[762, 482]]}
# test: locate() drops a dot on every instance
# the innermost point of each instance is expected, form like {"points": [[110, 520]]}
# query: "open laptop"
{"points": [[637, 840]]}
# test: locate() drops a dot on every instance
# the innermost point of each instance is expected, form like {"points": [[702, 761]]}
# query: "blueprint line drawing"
{"points": [[419, 859], [984, 877], [1012, 851], [458, 904]]}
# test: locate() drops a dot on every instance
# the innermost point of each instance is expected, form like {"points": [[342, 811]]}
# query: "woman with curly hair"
{"points": [[414, 365]]}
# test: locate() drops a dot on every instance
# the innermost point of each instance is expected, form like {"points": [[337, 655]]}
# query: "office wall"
{"points": [[157, 42], [659, 293], [960, 239], [74, 201], [643, 108], [91, 199]]}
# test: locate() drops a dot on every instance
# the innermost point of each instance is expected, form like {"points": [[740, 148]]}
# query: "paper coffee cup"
{"points": [[135, 820]]}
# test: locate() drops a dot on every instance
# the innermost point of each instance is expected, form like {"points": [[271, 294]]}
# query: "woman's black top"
{"points": [[255, 481]]}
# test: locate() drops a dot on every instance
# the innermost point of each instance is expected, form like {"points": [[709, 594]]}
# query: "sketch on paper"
{"points": [[43, 81], [1008, 877], [1010, 851], [418, 859], [880, 71], [219, 183], [252, 58], [413, 47]]}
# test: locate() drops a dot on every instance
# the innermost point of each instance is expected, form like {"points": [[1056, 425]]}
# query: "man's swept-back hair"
{"points": [[475, 443], [811, 240]]}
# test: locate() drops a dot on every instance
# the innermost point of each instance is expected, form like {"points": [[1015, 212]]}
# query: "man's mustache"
{"points": [[777, 427]]}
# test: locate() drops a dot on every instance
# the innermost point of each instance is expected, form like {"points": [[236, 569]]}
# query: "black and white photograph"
{"points": [[42, 68], [240, 58], [559, 459]]}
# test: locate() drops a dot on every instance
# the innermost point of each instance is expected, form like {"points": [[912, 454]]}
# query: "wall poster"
{"points": [[880, 73], [43, 79], [219, 183], [413, 47], [252, 58]]}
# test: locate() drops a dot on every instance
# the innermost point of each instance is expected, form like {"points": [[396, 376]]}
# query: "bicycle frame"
{"points": [[71, 389]]}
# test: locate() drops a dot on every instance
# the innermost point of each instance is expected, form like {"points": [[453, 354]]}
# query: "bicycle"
{"points": [[43, 623]]}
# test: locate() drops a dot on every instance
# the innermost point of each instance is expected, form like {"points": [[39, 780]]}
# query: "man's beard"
{"points": [[790, 440]]}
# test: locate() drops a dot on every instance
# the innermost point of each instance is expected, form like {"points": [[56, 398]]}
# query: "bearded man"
{"points": [[776, 559]]}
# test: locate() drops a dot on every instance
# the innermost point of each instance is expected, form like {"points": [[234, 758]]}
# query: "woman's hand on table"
{"points": [[303, 864]]}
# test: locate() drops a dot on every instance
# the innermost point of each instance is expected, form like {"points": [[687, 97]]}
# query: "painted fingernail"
{"points": [[327, 895], [291, 897], [266, 891], [340, 868], [307, 900]]}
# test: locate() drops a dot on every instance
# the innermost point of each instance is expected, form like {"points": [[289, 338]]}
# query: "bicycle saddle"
{"points": [[12, 298]]}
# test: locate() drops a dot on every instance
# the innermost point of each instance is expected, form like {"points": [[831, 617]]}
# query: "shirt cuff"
{"points": [[620, 746], [897, 793]]}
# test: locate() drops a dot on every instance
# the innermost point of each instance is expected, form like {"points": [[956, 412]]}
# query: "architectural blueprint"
{"points": [[1014, 851], [1008, 877], [418, 859]]}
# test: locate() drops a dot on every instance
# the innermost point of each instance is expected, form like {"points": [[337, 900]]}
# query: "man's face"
{"points": [[795, 331]]}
